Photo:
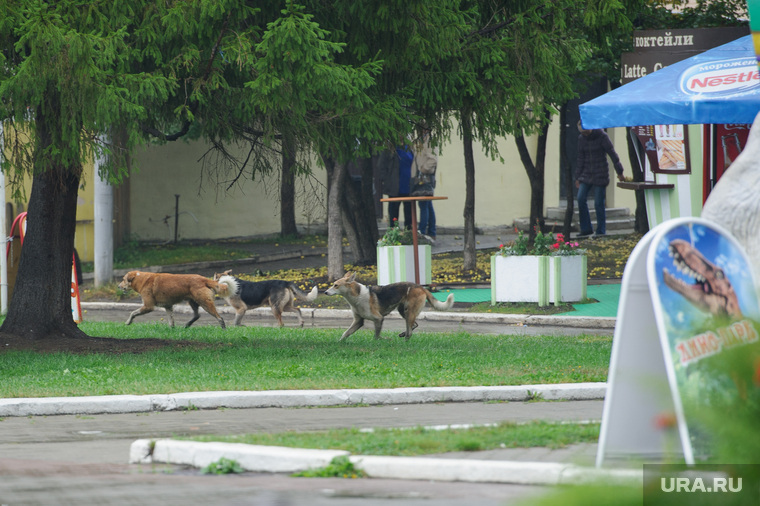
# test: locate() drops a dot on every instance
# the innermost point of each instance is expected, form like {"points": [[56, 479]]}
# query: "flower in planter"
{"points": [[397, 236], [565, 248], [543, 245]]}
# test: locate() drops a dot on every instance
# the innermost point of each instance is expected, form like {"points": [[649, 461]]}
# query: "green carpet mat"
{"points": [[607, 295]]}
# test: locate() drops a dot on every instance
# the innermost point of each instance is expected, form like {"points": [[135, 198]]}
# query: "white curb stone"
{"points": [[288, 460], [274, 459], [294, 398], [75, 405]]}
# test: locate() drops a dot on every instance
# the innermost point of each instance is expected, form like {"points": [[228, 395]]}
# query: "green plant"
{"points": [[545, 244], [223, 466], [339, 467], [396, 236], [542, 243], [519, 247]]}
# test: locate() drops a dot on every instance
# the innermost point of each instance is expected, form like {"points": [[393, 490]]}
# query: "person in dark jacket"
{"points": [[396, 170], [593, 173]]}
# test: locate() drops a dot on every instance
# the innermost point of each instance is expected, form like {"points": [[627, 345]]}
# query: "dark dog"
{"points": [[278, 294], [165, 290], [376, 302]]}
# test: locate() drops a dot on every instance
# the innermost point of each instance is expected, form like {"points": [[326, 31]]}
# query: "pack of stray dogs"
{"points": [[371, 303]]}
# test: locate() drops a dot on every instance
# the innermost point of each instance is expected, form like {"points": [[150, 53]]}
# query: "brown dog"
{"points": [[376, 302], [280, 295], [165, 290]]}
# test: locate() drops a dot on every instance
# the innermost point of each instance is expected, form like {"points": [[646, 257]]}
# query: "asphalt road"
{"points": [[75, 459], [393, 324]]}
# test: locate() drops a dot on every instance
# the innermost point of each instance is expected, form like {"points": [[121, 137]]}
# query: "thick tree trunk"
{"points": [[41, 303], [470, 245], [335, 175], [288, 188], [359, 222], [641, 223]]}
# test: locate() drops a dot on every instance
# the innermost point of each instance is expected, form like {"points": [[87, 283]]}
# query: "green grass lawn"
{"points": [[264, 358], [425, 441]]}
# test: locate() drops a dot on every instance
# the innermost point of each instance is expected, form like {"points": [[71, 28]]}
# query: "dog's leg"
{"points": [[209, 307], [138, 312], [196, 314], [239, 313], [356, 325], [170, 313], [292, 309], [277, 312], [405, 314], [297, 311], [378, 328]]}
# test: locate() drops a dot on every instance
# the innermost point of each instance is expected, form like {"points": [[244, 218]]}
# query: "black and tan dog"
{"points": [[376, 302], [279, 294], [166, 290]]}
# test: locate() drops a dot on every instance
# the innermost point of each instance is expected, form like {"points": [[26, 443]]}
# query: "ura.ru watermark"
{"points": [[705, 484], [719, 484]]}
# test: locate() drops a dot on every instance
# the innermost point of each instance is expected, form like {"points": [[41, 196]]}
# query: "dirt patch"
{"points": [[87, 344]]}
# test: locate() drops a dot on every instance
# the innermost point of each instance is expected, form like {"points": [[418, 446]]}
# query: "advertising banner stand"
{"points": [[688, 294]]}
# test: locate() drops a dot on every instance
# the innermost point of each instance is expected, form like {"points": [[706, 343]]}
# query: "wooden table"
{"points": [[414, 201]]}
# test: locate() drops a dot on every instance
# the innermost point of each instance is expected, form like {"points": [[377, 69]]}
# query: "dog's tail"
{"points": [[437, 304], [226, 286], [301, 295]]}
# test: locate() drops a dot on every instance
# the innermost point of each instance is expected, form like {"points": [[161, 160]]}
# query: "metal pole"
{"points": [[176, 216], [103, 226]]}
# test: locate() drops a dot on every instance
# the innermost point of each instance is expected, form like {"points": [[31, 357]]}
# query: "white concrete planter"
{"points": [[567, 278], [396, 263], [541, 279]]}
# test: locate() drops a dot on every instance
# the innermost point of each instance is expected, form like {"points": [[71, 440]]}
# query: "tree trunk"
{"points": [[641, 223], [470, 245], [335, 175], [535, 174], [564, 164], [359, 222], [41, 303], [288, 188]]}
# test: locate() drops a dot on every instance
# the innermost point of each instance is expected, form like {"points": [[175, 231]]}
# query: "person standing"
{"points": [[593, 174], [424, 165], [396, 169]]}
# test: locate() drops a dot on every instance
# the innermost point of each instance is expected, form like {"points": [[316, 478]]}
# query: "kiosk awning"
{"points": [[719, 86]]}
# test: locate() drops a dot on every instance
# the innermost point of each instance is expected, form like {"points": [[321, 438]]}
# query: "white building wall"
{"points": [[252, 208]]}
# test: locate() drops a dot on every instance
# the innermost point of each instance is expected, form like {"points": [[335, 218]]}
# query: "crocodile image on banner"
{"points": [[711, 291]]}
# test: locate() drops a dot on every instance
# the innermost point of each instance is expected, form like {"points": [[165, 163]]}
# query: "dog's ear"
{"points": [[351, 276], [227, 272]]}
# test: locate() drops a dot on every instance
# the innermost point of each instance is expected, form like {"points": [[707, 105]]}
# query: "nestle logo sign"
{"points": [[723, 77]]}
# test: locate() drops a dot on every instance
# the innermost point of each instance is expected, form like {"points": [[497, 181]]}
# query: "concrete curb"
{"points": [[294, 398], [272, 459], [276, 459], [589, 322]]}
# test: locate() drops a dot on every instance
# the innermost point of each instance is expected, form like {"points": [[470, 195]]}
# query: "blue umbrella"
{"points": [[718, 86]]}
